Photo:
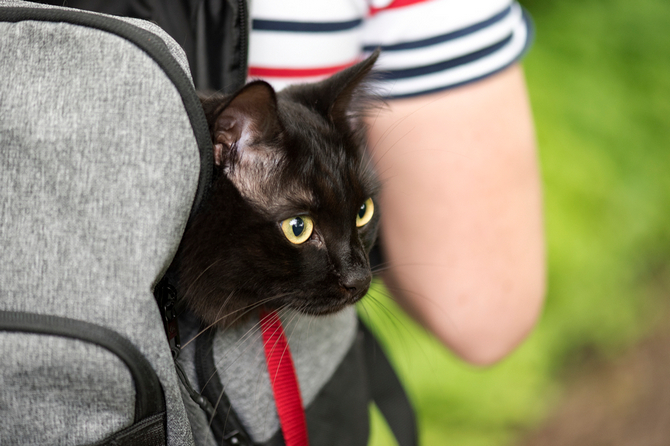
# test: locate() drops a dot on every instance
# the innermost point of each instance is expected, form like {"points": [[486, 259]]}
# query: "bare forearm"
{"points": [[461, 213]]}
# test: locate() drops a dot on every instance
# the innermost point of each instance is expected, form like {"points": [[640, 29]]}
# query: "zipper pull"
{"points": [[166, 295]]}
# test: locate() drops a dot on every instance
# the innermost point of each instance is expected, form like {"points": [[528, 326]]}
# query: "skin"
{"points": [[461, 216]]}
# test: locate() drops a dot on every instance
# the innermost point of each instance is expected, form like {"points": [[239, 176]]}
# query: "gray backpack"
{"points": [[101, 139], [104, 156]]}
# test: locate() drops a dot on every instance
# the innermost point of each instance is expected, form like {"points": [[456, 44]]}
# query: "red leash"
{"points": [[284, 381]]}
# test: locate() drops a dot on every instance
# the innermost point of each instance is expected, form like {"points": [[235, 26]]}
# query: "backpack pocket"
{"points": [[65, 381]]}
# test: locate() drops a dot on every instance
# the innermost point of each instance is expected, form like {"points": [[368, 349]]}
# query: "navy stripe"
{"points": [[387, 75], [450, 86], [529, 41], [444, 37], [304, 27]]}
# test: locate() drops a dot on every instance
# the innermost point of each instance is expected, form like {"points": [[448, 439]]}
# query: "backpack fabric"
{"points": [[101, 139]]}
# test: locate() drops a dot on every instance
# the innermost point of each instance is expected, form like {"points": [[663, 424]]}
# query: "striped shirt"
{"points": [[427, 45]]}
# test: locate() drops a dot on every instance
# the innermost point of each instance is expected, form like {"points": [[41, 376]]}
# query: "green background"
{"points": [[599, 80]]}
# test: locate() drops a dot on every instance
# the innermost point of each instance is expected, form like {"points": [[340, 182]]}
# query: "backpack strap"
{"points": [[388, 393], [343, 401], [226, 426]]}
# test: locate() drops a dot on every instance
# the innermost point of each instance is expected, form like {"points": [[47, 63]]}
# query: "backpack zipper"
{"points": [[244, 33]]}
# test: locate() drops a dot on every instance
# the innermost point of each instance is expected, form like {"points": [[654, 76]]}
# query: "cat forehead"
{"points": [[278, 185], [313, 141]]}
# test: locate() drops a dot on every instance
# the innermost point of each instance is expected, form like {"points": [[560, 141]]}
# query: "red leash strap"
{"points": [[284, 381]]}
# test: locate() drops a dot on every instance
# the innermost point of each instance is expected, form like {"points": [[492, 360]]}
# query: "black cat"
{"points": [[291, 215]]}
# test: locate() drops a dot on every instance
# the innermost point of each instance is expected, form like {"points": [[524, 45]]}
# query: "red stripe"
{"points": [[297, 72], [396, 4], [284, 381]]}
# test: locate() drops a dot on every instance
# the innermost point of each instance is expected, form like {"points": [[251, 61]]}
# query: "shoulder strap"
{"points": [[226, 426], [387, 392], [383, 384]]}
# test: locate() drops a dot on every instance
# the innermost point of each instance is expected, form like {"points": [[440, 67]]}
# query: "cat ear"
{"points": [[343, 97], [348, 86], [248, 116]]}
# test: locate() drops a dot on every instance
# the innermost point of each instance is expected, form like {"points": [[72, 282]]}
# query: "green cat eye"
{"points": [[297, 229], [365, 213]]}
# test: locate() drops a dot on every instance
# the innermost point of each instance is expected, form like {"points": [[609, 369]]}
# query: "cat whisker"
{"points": [[392, 316], [391, 288], [363, 307], [401, 330], [390, 130], [365, 168], [253, 306], [246, 337], [245, 309], [387, 291], [254, 329], [216, 406], [406, 116], [382, 267], [379, 110], [393, 145], [187, 343], [397, 330], [188, 290], [395, 125], [309, 327], [286, 348], [270, 409], [223, 306], [390, 264], [287, 325]]}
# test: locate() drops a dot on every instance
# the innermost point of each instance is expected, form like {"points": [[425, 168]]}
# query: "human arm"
{"points": [[461, 213]]}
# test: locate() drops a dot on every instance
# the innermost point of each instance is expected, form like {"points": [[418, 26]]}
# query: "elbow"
{"points": [[488, 329], [481, 314], [486, 340], [487, 347]]}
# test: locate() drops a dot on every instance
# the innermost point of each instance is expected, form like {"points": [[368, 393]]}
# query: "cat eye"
{"points": [[297, 229], [365, 213]]}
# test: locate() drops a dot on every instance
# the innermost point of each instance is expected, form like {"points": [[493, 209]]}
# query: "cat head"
{"points": [[291, 215]]}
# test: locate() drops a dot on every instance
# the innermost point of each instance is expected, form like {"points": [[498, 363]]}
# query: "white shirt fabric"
{"points": [[427, 45]]}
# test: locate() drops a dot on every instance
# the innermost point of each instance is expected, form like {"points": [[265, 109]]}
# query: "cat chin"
{"points": [[239, 314], [321, 309]]}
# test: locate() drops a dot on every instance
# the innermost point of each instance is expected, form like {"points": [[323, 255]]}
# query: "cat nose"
{"points": [[357, 282]]}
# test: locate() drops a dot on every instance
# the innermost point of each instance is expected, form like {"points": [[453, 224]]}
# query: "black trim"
{"points": [[149, 398], [155, 48], [387, 391], [243, 49], [444, 37], [225, 425], [388, 75], [339, 414], [148, 432], [304, 27]]}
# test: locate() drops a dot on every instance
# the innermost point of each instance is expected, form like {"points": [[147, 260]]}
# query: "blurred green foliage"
{"points": [[599, 81]]}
